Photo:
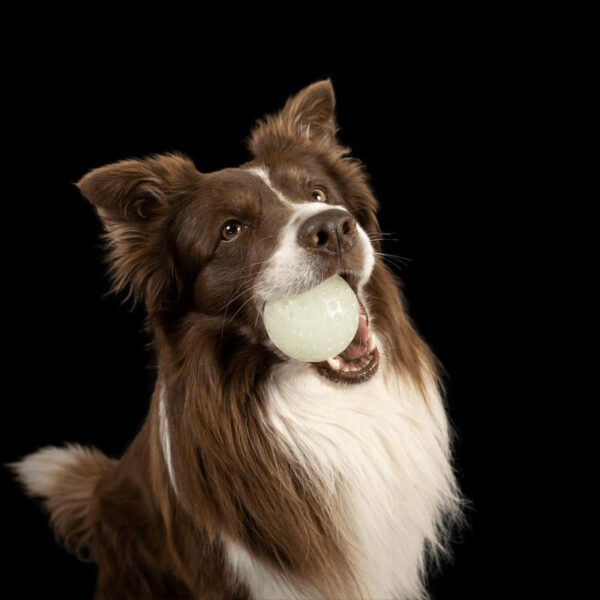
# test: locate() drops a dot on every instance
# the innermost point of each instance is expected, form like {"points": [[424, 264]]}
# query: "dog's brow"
{"points": [[263, 173]]}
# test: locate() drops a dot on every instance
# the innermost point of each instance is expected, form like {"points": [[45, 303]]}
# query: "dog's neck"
{"points": [[279, 465]]}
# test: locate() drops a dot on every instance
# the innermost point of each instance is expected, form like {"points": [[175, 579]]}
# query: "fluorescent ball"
{"points": [[315, 325]]}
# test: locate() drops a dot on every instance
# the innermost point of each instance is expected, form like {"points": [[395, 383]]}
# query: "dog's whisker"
{"points": [[245, 291], [242, 306], [383, 233], [403, 259]]}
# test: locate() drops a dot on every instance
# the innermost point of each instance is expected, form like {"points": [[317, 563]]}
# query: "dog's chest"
{"points": [[389, 449]]}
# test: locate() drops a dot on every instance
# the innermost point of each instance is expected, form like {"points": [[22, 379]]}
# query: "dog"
{"points": [[256, 475]]}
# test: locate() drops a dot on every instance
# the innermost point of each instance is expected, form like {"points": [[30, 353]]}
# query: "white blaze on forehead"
{"points": [[264, 175]]}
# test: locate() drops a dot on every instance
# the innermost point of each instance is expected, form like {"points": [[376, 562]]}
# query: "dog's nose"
{"points": [[331, 231]]}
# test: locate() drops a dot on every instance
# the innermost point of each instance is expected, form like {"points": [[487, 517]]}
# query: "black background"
{"points": [[438, 130]]}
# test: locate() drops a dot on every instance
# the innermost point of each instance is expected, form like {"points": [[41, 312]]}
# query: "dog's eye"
{"points": [[231, 230], [319, 195]]}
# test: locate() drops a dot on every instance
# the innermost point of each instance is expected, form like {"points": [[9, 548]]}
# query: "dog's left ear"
{"points": [[307, 118], [308, 121]]}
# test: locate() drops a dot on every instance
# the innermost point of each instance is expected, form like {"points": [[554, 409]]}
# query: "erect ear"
{"points": [[134, 199], [307, 118]]}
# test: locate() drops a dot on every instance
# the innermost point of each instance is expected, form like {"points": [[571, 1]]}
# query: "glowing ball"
{"points": [[315, 325]]}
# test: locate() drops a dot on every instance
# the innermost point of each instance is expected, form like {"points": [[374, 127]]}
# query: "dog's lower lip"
{"points": [[364, 368]]}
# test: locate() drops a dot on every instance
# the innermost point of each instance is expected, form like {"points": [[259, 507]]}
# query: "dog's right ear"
{"points": [[133, 190], [134, 199]]}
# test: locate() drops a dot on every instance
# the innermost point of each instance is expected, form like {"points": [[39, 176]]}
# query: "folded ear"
{"points": [[307, 118], [134, 199]]}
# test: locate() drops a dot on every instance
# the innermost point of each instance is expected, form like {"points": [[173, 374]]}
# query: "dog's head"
{"points": [[221, 244]]}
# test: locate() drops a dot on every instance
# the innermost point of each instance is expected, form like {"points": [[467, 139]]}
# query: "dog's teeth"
{"points": [[334, 363], [346, 369]]}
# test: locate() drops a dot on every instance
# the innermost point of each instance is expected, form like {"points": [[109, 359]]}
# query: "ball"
{"points": [[315, 325]]}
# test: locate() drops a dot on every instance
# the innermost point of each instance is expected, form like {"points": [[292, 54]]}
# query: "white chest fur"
{"points": [[390, 446]]}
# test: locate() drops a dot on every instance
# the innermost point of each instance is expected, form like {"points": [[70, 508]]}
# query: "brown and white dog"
{"points": [[256, 475]]}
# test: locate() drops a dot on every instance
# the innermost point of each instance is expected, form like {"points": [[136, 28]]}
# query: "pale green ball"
{"points": [[315, 325]]}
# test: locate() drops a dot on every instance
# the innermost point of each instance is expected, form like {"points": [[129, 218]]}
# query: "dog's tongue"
{"points": [[359, 346]]}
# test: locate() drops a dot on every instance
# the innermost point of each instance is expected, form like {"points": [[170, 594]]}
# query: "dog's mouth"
{"points": [[359, 361]]}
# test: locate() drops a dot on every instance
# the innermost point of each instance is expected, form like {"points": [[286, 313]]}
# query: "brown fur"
{"points": [[232, 476]]}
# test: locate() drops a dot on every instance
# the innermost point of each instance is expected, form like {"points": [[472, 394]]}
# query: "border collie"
{"points": [[256, 475]]}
